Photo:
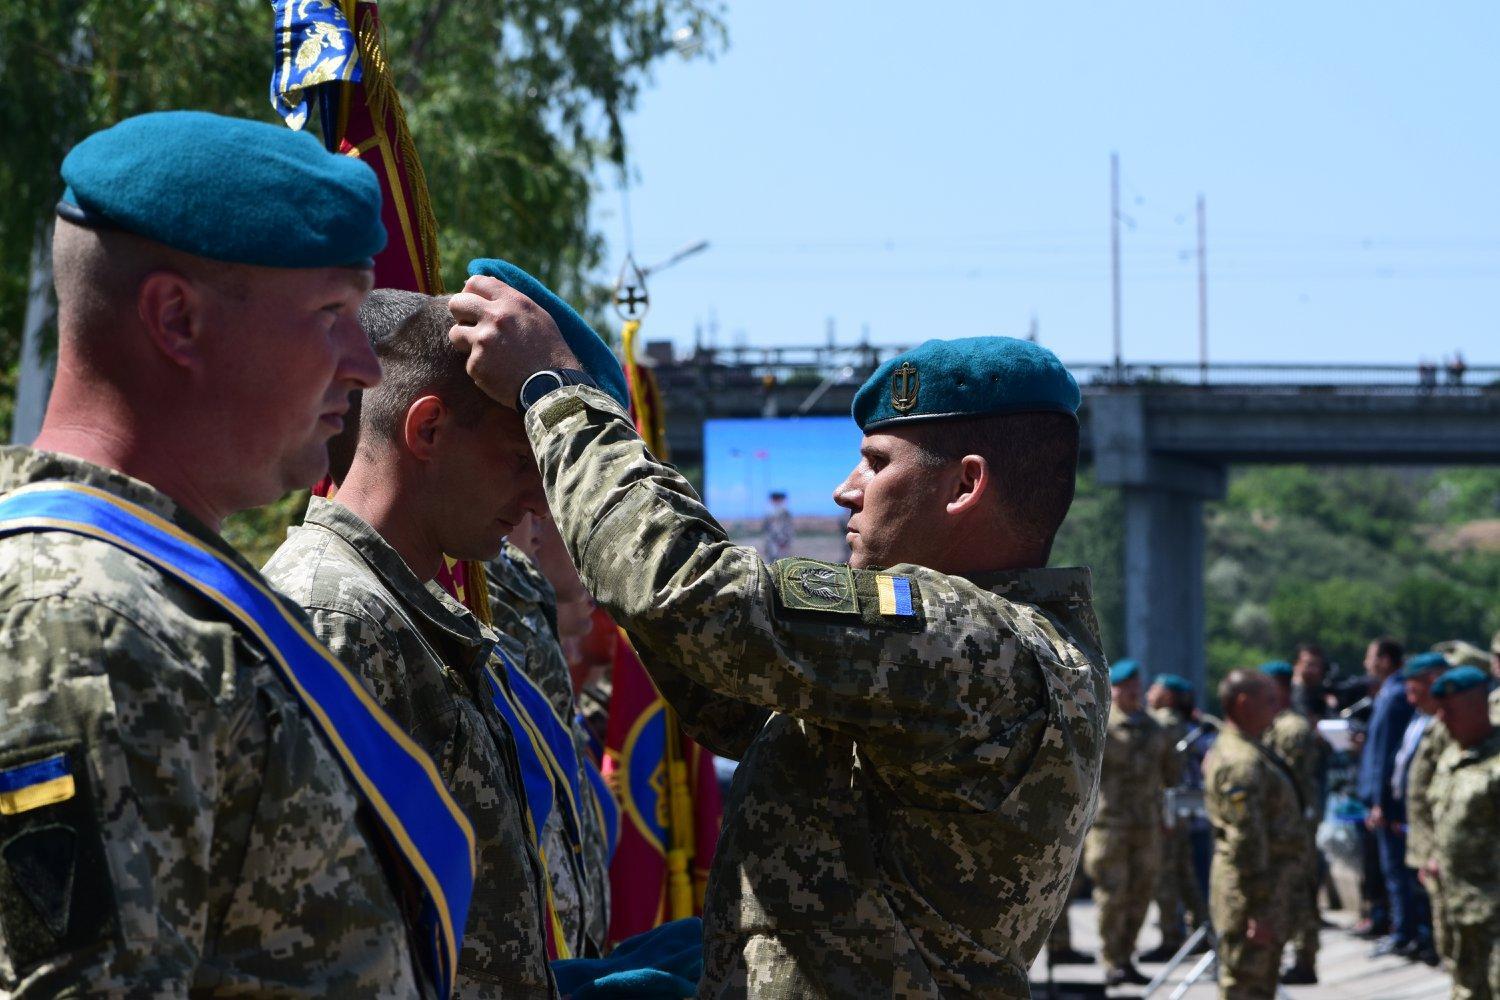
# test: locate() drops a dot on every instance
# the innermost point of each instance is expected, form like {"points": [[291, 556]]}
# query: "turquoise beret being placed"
{"points": [[227, 189], [1459, 679], [969, 377], [592, 352], [1422, 663], [1175, 683], [1279, 669], [1123, 670]]}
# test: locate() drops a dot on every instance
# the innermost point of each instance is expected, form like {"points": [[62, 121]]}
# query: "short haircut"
{"points": [[409, 332], [1032, 456], [1236, 683], [1391, 649], [1311, 648]]}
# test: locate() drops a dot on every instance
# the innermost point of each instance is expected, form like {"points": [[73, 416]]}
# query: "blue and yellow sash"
{"points": [[548, 758], [398, 780]]}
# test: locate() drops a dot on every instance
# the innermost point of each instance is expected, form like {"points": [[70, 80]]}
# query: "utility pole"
{"points": [[1202, 291], [1114, 257]]}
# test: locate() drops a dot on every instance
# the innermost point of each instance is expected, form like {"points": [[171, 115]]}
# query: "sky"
{"points": [[942, 170], [804, 457]]}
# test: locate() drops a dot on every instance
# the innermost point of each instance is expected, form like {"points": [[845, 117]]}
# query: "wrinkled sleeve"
{"points": [[141, 738], [704, 610], [375, 657]]}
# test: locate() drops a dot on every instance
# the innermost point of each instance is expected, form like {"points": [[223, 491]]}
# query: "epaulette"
{"points": [[814, 588]]}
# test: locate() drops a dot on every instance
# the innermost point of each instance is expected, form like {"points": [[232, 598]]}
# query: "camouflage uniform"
{"points": [[1465, 801], [524, 606], [1258, 833], [217, 844], [422, 654], [1292, 739], [1178, 894], [1420, 840], [913, 788], [1123, 849]]}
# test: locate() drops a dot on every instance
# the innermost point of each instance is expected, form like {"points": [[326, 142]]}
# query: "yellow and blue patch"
{"points": [[38, 783], [894, 594]]}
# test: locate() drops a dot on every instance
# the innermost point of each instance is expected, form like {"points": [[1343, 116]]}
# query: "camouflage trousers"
{"points": [[1179, 899], [1303, 919], [1476, 960], [1123, 862], [1247, 971]]}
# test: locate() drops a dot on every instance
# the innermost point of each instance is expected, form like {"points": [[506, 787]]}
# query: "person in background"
{"points": [[1422, 745], [1311, 695], [1389, 714], [1465, 799], [1179, 895], [778, 529]]}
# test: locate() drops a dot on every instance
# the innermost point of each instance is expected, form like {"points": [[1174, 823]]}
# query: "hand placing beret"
{"points": [[507, 337]]}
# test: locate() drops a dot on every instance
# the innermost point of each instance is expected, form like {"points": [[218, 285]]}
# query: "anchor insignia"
{"points": [[905, 382]]}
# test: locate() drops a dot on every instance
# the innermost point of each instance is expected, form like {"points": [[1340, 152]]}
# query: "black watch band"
{"points": [[541, 383]]}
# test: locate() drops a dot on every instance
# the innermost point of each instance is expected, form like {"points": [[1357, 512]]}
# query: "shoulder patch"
{"points": [[888, 600]]}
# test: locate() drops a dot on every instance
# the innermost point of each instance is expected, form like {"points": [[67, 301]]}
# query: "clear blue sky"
{"points": [[806, 457], [942, 170]]}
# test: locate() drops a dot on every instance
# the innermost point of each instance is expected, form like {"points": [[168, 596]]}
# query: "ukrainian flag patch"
{"points": [[35, 784], [894, 594]]}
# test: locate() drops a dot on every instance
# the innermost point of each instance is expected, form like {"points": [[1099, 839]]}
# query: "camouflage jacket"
{"points": [[1465, 800], [1419, 775], [1139, 762], [524, 607], [914, 787], [1258, 833], [212, 842], [422, 654], [1292, 739]]}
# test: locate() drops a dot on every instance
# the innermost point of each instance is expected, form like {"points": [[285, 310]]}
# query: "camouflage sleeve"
{"points": [[138, 733], [723, 726], [708, 609], [374, 654], [1239, 799]]}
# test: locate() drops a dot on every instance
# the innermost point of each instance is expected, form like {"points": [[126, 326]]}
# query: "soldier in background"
{"points": [[1465, 799], [1292, 739], [778, 528], [1426, 740], [1123, 850], [1311, 694], [1179, 896], [1258, 835]]}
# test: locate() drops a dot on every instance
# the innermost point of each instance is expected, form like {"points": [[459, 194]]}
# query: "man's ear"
{"points": [[426, 422], [171, 308], [971, 484]]}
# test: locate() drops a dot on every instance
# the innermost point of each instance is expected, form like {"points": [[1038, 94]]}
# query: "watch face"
{"points": [[537, 386]]}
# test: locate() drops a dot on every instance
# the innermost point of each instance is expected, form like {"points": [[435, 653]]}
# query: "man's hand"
{"points": [[507, 336], [1260, 933]]}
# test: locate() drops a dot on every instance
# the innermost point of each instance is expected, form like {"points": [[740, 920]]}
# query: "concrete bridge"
{"points": [[1164, 434]]}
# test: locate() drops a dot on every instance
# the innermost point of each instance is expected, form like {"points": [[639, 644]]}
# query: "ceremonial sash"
{"points": [[398, 780]]}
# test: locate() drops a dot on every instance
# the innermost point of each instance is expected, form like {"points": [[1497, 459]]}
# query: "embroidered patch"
{"points": [[895, 594], [810, 585], [39, 783]]}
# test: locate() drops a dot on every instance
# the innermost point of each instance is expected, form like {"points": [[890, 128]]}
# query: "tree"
{"points": [[511, 106]]}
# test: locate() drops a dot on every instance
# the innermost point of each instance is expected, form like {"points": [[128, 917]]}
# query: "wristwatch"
{"points": [[546, 380]]}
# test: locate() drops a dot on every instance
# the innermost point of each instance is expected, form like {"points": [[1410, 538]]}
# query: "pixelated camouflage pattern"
{"points": [[1294, 741], [1419, 775], [240, 858], [1258, 850], [421, 654], [1465, 799], [1179, 898], [908, 818], [524, 606], [1122, 853]]}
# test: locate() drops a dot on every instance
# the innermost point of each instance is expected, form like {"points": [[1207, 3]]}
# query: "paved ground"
{"points": [[1345, 969]]}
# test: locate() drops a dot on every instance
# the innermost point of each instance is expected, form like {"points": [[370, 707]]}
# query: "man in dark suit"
{"points": [[1387, 819]]}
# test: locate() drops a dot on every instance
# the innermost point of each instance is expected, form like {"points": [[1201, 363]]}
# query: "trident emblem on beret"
{"points": [[905, 382]]}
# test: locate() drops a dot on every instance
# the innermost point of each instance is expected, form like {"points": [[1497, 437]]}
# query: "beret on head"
{"points": [[1175, 683], [1123, 670], [1422, 663], [227, 189], [592, 352], [1458, 680], [968, 377], [1279, 669]]}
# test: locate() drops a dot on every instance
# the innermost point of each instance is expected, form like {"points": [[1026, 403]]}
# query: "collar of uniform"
{"points": [[438, 610], [20, 466], [1037, 586], [1119, 717], [1483, 751]]}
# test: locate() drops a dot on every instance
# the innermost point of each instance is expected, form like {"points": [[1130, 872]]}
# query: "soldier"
{"points": [[1122, 852], [919, 745], [1179, 897], [1427, 739], [523, 606], [1258, 841], [176, 805], [1465, 800], [440, 469]]}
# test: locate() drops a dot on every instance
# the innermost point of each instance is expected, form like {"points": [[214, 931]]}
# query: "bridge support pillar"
{"points": [[1164, 536]]}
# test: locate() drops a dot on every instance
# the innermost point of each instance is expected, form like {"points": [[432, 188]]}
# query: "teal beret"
{"points": [[1123, 670], [227, 189], [592, 352], [1459, 679], [969, 377], [1422, 663], [1279, 669], [1175, 682]]}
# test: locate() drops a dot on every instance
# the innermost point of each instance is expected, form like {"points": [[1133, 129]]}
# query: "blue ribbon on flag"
{"points": [[315, 44]]}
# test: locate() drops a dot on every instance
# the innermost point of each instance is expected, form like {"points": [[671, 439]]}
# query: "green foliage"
{"points": [[1091, 537], [257, 533]]}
